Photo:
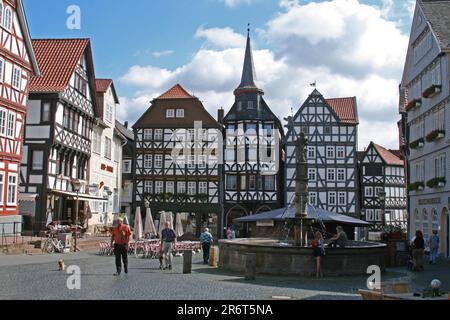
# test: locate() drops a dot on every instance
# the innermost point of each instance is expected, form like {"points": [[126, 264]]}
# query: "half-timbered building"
{"points": [[381, 169], [177, 161], [331, 128], [17, 65], [61, 114], [253, 152]]}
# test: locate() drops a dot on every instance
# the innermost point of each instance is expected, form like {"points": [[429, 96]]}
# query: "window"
{"points": [[243, 182], [203, 188], [435, 220], [331, 174], [17, 78], [2, 64], [180, 113], [311, 152], [327, 130], [1, 12], [252, 153], [268, 130], [181, 187], [370, 215], [340, 152], [313, 198], [342, 198], [231, 182], [191, 162], [12, 190], [251, 128], [439, 166], [80, 84], [439, 119], [159, 187], [37, 160], [241, 154], [2, 186], [378, 190], [330, 152], [332, 198], [341, 175], [436, 75], [202, 161], [230, 155], [109, 113], [148, 187], [192, 188], [148, 161], [46, 111], [148, 134], [127, 166], [378, 215], [107, 148], [158, 134], [7, 20], [96, 142], [312, 175], [250, 104], [3, 115], [170, 113], [231, 130], [269, 183], [158, 161], [252, 182], [368, 192], [170, 187], [10, 132]]}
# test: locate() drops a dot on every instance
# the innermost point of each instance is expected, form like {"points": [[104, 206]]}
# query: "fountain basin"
{"points": [[275, 258]]}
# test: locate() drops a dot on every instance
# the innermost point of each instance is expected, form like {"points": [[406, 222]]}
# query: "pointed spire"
{"points": [[248, 73]]}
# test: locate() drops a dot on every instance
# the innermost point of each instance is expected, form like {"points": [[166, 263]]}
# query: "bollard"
{"points": [[213, 256], [187, 261], [250, 266]]}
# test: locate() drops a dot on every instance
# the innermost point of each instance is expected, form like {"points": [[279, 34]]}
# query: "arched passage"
{"points": [[236, 212], [444, 234]]}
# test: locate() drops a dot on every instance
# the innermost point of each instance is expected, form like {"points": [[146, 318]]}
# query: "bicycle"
{"points": [[52, 245]]}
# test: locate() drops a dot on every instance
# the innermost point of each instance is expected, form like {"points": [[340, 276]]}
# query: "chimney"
{"points": [[220, 115], [125, 124]]}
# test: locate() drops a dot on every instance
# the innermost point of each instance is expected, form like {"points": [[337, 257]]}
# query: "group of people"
{"points": [[121, 236], [417, 247]]}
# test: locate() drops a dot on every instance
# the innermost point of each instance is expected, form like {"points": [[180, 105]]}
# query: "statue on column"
{"points": [[301, 189]]}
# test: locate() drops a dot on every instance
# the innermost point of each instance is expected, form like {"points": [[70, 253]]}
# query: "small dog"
{"points": [[61, 265]]}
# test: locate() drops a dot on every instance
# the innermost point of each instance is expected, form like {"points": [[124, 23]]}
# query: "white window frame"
{"points": [[2, 69], [170, 113], [8, 23], [377, 191], [159, 159], [3, 121], [331, 153], [125, 164], [33, 153], [203, 187], [331, 175], [311, 152], [192, 188], [17, 77], [148, 186], [159, 134], [108, 148], [11, 125], [378, 217], [368, 192], [230, 155], [109, 113], [148, 134], [330, 196], [159, 187], [313, 198], [181, 187], [1, 12], [170, 187], [312, 172], [341, 173], [10, 185], [2, 187], [340, 152], [344, 195], [148, 161], [370, 215], [180, 113]]}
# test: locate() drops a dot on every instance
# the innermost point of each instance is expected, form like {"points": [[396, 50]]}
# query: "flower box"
{"points": [[416, 186], [416, 103], [436, 183], [431, 91], [435, 135], [417, 144]]}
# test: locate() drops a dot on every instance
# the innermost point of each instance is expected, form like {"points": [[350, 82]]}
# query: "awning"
{"points": [[31, 197], [81, 196]]}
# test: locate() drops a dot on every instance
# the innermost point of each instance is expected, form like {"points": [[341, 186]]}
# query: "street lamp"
{"points": [[76, 186], [382, 198]]}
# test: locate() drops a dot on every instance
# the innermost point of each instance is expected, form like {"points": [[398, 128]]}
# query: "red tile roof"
{"points": [[57, 59], [102, 85], [345, 108], [176, 92], [391, 157]]}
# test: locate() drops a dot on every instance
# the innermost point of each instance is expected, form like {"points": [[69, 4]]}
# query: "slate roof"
{"points": [[437, 12]]}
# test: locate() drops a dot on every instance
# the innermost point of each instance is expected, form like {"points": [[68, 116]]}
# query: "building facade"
{"points": [[381, 169], [425, 98], [128, 164], [174, 171], [17, 65], [331, 128], [105, 164], [253, 152], [57, 144]]}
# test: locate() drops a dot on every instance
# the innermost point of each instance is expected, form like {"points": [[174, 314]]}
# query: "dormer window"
{"points": [[170, 113], [7, 19], [180, 113]]}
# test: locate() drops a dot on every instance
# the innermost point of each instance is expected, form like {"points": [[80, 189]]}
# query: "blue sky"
{"points": [[146, 46]]}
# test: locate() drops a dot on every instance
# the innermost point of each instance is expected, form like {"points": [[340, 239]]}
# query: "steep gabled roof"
{"points": [[391, 157], [437, 12], [102, 85], [27, 38], [124, 131], [345, 108], [57, 59], [176, 92], [248, 71]]}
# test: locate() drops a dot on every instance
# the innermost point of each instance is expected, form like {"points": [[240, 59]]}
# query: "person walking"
{"points": [[319, 252], [418, 251], [206, 240], [168, 242], [433, 243], [120, 238]]}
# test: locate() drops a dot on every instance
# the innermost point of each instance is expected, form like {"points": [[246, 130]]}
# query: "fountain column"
{"points": [[301, 190]]}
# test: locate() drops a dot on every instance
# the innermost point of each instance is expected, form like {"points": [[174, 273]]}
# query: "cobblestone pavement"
{"points": [[25, 277]]}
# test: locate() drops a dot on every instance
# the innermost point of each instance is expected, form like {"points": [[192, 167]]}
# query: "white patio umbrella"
{"points": [[169, 217], [138, 224], [149, 227], [49, 218], [162, 222], [178, 225]]}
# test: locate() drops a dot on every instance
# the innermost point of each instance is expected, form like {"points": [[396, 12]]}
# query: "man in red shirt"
{"points": [[120, 238]]}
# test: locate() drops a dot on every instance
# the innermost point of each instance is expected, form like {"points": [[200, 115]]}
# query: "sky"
{"points": [[348, 47]]}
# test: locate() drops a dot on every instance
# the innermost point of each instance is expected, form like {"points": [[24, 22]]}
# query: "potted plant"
{"points": [[431, 91], [419, 143], [435, 135], [438, 182], [416, 186], [416, 103]]}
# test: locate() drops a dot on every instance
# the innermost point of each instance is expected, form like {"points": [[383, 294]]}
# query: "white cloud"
{"points": [[235, 3], [158, 54], [349, 48], [221, 37]]}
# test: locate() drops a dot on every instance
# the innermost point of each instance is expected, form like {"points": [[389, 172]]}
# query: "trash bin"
{"points": [[213, 256]]}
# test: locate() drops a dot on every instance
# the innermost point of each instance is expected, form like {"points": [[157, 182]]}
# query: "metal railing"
{"points": [[16, 233]]}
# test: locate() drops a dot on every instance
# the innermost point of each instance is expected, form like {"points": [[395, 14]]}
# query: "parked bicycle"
{"points": [[52, 245]]}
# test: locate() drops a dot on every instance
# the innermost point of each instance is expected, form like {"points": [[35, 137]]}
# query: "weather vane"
{"points": [[314, 84], [248, 27]]}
